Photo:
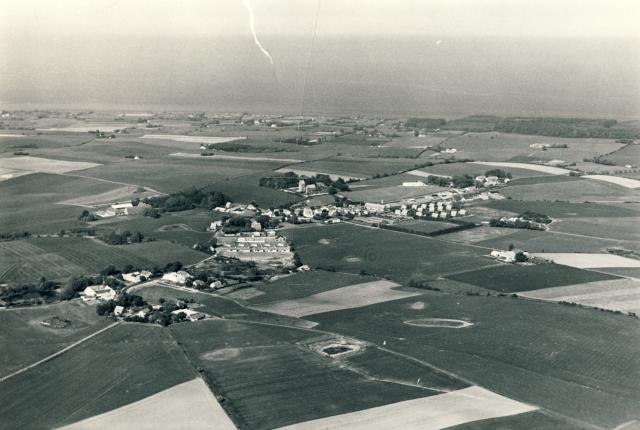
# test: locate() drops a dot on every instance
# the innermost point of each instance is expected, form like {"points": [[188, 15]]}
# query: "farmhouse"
{"points": [[179, 277], [414, 184], [118, 310], [135, 277], [98, 292], [190, 314], [511, 256]]}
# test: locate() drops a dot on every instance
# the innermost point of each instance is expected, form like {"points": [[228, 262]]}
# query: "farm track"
{"points": [[57, 354]]}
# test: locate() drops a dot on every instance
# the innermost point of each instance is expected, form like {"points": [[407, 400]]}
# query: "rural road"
{"points": [[56, 354]]}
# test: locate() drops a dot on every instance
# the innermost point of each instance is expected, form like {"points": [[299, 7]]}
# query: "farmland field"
{"points": [[601, 227], [562, 209], [21, 261], [534, 167], [189, 404], [305, 284], [589, 261], [191, 138], [530, 420], [548, 241], [34, 198], [572, 191], [253, 366], [25, 340], [513, 278], [381, 252], [148, 361], [358, 167], [44, 165], [423, 226], [623, 182], [430, 413], [390, 194], [340, 298], [571, 361], [617, 294], [475, 169]]}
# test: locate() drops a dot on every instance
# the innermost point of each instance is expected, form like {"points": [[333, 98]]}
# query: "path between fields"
{"points": [[62, 351]]}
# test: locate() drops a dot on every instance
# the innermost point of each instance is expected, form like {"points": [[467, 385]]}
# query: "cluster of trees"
{"points": [[43, 289], [499, 173], [567, 127], [125, 300], [518, 223], [462, 181], [429, 123], [242, 147], [291, 179], [15, 235], [298, 141], [115, 237], [536, 217], [187, 199], [87, 216], [599, 160]]}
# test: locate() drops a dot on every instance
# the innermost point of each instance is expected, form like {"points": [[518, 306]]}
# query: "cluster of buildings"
{"points": [[122, 209], [510, 256], [255, 246], [98, 293], [434, 210], [491, 181]]}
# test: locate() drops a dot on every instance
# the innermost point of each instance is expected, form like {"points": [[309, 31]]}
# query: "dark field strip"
{"points": [[579, 363], [269, 381], [513, 278], [120, 366]]}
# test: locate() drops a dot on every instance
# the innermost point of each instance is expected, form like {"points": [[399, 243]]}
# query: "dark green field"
{"points": [[24, 340], [513, 278], [399, 256], [246, 189], [576, 362], [529, 421], [269, 381], [125, 364]]}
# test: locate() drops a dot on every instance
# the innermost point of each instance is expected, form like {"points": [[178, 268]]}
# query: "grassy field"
{"points": [[162, 252], [22, 261], [630, 154], [513, 278], [245, 189], [269, 381], [390, 194], [457, 169], [25, 341], [562, 209], [305, 284], [612, 228], [424, 226], [171, 174], [90, 254], [350, 248], [530, 421], [29, 202], [358, 167], [123, 365], [572, 191], [547, 241], [576, 362]]}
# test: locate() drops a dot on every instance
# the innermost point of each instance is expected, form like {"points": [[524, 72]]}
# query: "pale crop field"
{"points": [[192, 139], [588, 261], [6, 174], [427, 413], [352, 296], [121, 194], [623, 182], [188, 405], [45, 165], [617, 294], [233, 157], [536, 167]]}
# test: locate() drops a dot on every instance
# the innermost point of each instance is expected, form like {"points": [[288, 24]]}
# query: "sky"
{"points": [[443, 18], [453, 57]]}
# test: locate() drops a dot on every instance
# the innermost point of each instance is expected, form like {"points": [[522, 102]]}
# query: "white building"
{"points": [[414, 184], [135, 277], [118, 310], [98, 292], [301, 186], [375, 207], [190, 314], [179, 277]]}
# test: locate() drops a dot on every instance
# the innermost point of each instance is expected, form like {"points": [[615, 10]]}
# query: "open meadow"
{"points": [[125, 364], [351, 248], [573, 362]]}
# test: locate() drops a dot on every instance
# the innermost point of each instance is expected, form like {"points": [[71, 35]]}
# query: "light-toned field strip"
{"points": [[44, 165], [588, 261], [233, 157], [119, 194], [11, 135], [10, 173], [616, 294], [624, 182], [189, 405], [333, 176], [427, 413], [352, 296], [104, 127], [192, 139], [425, 174], [536, 167]]}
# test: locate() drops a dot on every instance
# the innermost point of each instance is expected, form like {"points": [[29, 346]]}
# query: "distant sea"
{"points": [[408, 76]]}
